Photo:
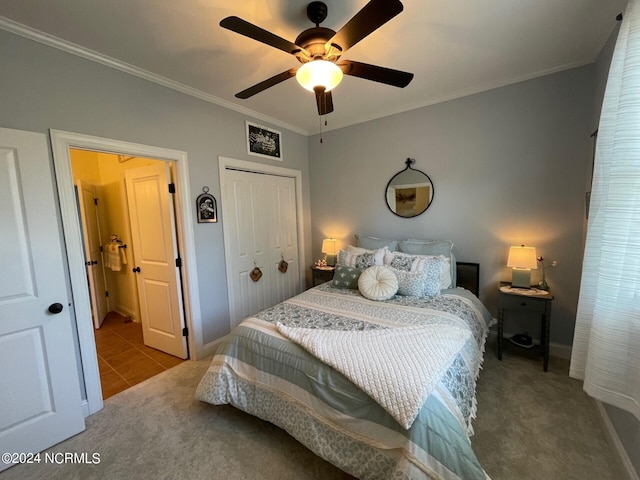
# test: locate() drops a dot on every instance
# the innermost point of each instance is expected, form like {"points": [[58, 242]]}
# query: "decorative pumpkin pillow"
{"points": [[378, 283]]}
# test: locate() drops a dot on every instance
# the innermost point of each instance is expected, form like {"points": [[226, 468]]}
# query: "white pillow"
{"points": [[378, 283], [367, 257], [418, 263]]}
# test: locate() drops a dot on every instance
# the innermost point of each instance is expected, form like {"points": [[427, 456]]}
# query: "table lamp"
{"points": [[329, 250], [521, 259]]}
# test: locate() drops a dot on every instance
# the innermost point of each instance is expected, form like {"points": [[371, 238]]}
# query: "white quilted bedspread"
{"points": [[397, 367]]}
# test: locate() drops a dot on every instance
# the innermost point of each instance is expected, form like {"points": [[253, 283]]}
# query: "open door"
{"points": [[40, 403], [87, 201], [155, 253]]}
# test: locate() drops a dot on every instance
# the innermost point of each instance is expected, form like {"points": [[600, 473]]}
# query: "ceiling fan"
{"points": [[320, 48]]}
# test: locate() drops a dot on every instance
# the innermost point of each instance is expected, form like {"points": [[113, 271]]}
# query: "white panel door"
{"points": [[155, 252], [248, 247], [40, 403], [283, 237], [260, 230], [87, 198]]}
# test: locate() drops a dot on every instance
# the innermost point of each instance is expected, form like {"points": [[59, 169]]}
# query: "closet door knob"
{"points": [[55, 308], [136, 270]]}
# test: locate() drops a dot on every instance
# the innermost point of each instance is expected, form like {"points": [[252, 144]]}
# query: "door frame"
{"points": [[225, 163], [61, 143]]}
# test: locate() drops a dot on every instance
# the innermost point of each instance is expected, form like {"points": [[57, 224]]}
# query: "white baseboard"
{"points": [[557, 350], [612, 439], [125, 312], [85, 408], [209, 348]]}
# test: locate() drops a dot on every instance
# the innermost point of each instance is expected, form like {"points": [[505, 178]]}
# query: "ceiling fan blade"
{"points": [[269, 82], [324, 100], [238, 25], [375, 73], [372, 16]]}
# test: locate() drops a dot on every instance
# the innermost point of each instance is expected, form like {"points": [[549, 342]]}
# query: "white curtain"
{"points": [[606, 345]]}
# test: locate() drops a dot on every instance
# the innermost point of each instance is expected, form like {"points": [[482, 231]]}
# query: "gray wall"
{"points": [[43, 88], [508, 168]]}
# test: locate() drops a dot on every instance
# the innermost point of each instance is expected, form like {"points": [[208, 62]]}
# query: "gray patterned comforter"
{"points": [[261, 372]]}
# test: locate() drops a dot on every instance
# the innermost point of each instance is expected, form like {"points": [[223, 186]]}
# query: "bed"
{"points": [[292, 365]]}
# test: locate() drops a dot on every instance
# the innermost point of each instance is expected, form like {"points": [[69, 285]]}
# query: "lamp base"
{"points": [[331, 260], [521, 278]]}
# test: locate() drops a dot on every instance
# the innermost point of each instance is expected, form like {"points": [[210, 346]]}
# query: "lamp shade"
{"points": [[522, 257], [329, 246], [319, 73]]}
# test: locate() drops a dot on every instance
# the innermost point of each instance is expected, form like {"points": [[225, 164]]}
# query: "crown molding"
{"points": [[88, 54]]}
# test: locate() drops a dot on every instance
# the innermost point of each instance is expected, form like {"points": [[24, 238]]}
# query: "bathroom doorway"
{"points": [[136, 309]]}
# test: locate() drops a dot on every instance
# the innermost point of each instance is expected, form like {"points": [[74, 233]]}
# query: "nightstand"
{"points": [[523, 300], [321, 274]]}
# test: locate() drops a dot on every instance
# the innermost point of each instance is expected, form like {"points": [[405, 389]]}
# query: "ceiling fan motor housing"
{"points": [[314, 39], [317, 12]]}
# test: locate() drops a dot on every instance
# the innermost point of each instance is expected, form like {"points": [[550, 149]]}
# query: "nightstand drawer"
{"points": [[321, 275], [520, 302]]}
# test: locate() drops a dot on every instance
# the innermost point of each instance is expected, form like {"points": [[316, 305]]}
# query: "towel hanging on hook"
{"points": [[116, 255]]}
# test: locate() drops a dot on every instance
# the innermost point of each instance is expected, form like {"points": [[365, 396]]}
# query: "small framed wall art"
{"points": [[263, 142], [206, 207]]}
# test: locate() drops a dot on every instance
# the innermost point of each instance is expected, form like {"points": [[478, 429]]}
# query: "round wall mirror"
{"points": [[409, 192]]}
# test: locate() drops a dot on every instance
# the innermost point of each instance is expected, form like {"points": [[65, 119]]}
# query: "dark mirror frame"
{"points": [[409, 162]]}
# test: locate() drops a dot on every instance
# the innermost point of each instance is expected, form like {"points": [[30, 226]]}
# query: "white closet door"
{"points": [[259, 214], [283, 237], [246, 246]]}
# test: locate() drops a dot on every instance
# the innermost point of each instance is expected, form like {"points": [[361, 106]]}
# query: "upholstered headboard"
{"points": [[468, 276]]}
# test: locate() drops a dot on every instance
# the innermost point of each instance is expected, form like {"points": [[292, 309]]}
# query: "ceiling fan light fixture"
{"points": [[319, 73]]}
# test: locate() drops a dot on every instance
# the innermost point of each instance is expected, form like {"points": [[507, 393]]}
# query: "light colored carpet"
{"points": [[530, 425]]}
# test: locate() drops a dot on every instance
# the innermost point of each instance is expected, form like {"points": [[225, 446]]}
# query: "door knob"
{"points": [[55, 308], [94, 262], [136, 270]]}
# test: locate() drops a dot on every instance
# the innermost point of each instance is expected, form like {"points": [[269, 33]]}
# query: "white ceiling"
{"points": [[454, 48]]}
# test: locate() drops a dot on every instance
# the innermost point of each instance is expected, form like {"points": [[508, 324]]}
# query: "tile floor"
{"points": [[123, 358]]}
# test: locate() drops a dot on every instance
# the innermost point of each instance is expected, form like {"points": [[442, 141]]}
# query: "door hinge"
{"points": [[95, 201], [172, 188], [185, 332], [101, 249], [179, 262], [106, 293]]}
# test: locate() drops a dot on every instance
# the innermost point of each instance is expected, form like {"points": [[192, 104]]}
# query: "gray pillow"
{"points": [[411, 284], [422, 283], [431, 247], [346, 277], [373, 243]]}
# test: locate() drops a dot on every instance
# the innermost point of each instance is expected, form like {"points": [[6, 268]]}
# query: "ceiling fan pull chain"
{"points": [[321, 128]]}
